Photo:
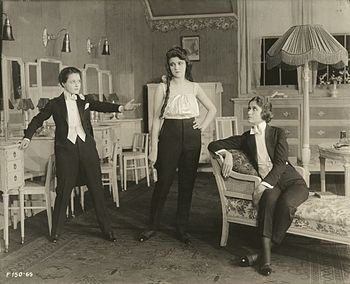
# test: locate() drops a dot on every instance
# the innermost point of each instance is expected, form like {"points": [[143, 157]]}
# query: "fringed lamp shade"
{"points": [[25, 104], [94, 97], [113, 98], [2, 105], [42, 103], [307, 45]]}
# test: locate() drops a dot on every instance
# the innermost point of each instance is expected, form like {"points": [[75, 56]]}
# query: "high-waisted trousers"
{"points": [[277, 208], [179, 148]]}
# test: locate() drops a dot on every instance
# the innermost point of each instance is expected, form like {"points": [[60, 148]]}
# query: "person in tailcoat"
{"points": [[77, 160], [282, 188]]}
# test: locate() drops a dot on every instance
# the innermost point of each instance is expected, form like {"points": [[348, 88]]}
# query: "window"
{"points": [[278, 76]]}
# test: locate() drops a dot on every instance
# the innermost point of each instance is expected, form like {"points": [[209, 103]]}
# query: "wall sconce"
{"points": [[66, 40], [25, 105], [90, 46], [7, 29]]}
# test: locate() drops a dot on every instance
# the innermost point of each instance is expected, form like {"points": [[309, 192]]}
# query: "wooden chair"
{"points": [[226, 126], [109, 177], [37, 188], [109, 172], [138, 158]]}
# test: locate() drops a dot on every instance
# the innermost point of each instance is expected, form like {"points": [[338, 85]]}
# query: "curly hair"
{"points": [[266, 106], [171, 53]]}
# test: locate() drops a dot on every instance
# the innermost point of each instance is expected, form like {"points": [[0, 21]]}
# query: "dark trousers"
{"points": [[73, 161], [179, 147], [277, 207]]}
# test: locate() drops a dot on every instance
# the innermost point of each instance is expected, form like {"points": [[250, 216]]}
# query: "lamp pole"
{"points": [[305, 152]]}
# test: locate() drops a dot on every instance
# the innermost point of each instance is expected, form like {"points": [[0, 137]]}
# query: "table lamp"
{"points": [[113, 98], [93, 114], [25, 105]]}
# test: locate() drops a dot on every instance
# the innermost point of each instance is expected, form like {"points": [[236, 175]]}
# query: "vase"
{"points": [[333, 90]]}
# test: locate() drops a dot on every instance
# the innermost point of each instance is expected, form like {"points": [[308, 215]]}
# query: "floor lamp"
{"points": [[307, 46]]}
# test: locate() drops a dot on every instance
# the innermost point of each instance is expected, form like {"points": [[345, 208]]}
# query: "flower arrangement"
{"points": [[343, 76]]}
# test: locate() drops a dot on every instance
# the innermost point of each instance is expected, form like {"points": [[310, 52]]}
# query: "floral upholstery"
{"points": [[327, 216], [241, 163]]}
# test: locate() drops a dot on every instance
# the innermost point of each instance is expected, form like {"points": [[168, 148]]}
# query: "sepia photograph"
{"points": [[175, 142]]}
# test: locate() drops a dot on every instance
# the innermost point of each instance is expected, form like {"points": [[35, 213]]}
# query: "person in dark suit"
{"points": [[282, 189], [77, 160]]}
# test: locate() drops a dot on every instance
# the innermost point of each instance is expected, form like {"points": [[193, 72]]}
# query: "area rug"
{"points": [[83, 256]]}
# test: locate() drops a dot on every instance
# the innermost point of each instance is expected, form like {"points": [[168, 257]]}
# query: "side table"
{"points": [[342, 155]]}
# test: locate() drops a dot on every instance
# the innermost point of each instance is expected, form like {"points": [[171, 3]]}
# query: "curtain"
{"points": [[1, 94], [249, 51]]}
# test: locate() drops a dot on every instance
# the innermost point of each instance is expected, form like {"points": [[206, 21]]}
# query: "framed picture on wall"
{"points": [[191, 44]]}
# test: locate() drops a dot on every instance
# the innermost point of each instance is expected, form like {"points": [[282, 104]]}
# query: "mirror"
{"points": [[12, 96], [91, 80], [47, 77], [106, 79]]}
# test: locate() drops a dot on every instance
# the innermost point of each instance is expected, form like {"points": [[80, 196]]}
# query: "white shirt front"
{"points": [[264, 161], [75, 127]]}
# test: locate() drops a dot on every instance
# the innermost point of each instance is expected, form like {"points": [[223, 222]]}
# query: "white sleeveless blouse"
{"points": [[181, 106]]}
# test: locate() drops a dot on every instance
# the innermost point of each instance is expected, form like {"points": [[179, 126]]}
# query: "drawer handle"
{"points": [[286, 114], [321, 132], [321, 113], [15, 178], [14, 154], [14, 166]]}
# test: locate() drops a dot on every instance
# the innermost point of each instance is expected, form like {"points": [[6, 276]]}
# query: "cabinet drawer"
{"points": [[329, 113], [15, 165], [326, 132], [13, 154], [14, 179]]}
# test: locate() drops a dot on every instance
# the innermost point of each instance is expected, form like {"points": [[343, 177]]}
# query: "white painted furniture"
{"points": [[342, 155], [214, 91], [11, 178], [138, 158], [226, 126]]}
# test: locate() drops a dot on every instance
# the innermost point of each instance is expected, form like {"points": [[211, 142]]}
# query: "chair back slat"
{"points": [[226, 126], [50, 173], [140, 143]]}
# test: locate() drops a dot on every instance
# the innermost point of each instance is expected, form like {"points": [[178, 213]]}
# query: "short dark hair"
{"points": [[266, 106], [65, 72]]}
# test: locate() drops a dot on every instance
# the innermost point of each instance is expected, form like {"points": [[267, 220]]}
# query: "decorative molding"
{"points": [[165, 24]]}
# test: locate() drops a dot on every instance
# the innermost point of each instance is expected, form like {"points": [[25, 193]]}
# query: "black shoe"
{"points": [[110, 237], [146, 235], [184, 238], [54, 238], [265, 269], [248, 260]]}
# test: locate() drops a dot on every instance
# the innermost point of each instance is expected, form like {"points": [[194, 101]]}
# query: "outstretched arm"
{"points": [[158, 101]]}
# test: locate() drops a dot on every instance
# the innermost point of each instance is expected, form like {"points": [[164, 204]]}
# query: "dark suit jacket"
{"points": [[58, 109], [277, 148]]}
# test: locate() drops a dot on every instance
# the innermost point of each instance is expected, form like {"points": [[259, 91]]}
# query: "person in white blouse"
{"points": [[176, 140], [282, 189], [77, 161]]}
